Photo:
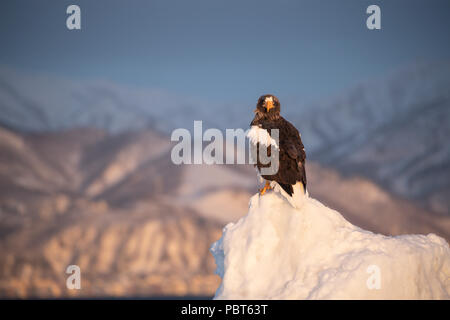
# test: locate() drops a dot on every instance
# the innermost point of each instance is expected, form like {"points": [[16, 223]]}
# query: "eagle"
{"points": [[291, 152]]}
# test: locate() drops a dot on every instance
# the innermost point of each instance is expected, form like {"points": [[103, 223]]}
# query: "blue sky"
{"points": [[223, 50]]}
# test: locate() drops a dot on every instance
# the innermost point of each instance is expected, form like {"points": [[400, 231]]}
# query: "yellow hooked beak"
{"points": [[269, 105]]}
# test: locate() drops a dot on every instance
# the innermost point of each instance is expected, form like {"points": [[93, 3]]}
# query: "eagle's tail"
{"points": [[288, 188], [294, 194]]}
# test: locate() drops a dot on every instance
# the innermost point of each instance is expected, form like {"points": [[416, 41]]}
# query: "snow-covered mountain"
{"points": [[393, 130], [49, 103], [135, 223]]}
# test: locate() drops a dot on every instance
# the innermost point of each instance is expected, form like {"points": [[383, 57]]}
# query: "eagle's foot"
{"points": [[266, 187]]}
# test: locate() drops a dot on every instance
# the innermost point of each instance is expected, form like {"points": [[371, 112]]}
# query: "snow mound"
{"points": [[277, 251]]}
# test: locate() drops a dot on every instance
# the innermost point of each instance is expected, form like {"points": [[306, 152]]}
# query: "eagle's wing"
{"points": [[291, 143], [291, 155]]}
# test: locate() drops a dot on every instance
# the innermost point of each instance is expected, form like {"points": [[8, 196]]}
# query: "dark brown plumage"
{"points": [[292, 154]]}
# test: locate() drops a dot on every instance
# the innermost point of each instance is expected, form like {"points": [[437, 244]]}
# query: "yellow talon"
{"points": [[266, 187]]}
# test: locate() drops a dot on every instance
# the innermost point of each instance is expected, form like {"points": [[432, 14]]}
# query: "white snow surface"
{"points": [[277, 251]]}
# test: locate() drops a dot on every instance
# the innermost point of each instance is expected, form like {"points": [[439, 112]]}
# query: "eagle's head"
{"points": [[268, 107]]}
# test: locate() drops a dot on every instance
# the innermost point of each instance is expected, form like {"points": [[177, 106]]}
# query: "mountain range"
{"points": [[86, 177], [391, 129], [136, 224]]}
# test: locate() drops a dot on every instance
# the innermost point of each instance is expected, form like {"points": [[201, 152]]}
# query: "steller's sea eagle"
{"points": [[291, 169]]}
